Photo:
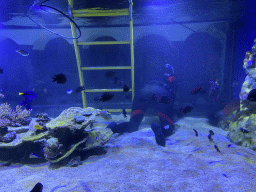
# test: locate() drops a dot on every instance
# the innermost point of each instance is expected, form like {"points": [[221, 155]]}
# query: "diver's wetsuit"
{"points": [[154, 94]]}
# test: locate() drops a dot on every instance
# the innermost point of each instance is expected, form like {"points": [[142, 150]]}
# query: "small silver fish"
{"points": [[106, 115], [23, 52]]}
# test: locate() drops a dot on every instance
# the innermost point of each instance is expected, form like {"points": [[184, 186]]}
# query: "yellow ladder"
{"points": [[96, 12]]}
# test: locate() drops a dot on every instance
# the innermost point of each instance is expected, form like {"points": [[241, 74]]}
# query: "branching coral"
{"points": [[8, 115]]}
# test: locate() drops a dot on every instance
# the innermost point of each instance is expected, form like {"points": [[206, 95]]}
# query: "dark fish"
{"points": [[117, 81], [252, 95], [244, 130], [126, 88], [225, 175], [30, 95], [124, 113], [186, 109], [79, 89], [1, 70], [60, 78], [110, 74], [211, 132], [196, 89], [196, 132], [37, 188], [229, 145], [216, 147], [210, 137], [105, 97], [23, 52]]}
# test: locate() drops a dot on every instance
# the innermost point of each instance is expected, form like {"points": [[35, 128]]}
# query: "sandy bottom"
{"points": [[134, 162]]}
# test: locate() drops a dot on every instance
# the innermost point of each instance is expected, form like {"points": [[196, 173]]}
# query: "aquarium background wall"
{"points": [[202, 40]]}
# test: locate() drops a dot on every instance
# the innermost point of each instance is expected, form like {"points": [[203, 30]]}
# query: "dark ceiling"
{"points": [[145, 12]]}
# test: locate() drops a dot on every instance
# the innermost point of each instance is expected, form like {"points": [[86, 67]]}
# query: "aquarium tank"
{"points": [[127, 95]]}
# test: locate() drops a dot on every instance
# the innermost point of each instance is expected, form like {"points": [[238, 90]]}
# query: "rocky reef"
{"points": [[55, 139], [242, 131]]}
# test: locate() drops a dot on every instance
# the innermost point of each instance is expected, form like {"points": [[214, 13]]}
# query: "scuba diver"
{"points": [[161, 97]]}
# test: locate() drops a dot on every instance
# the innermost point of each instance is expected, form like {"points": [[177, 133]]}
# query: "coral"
{"points": [[245, 119], [8, 116]]}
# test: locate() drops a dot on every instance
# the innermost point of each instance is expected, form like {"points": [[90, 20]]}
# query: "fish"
{"points": [[23, 52], [252, 95], [105, 97], [1, 70], [110, 73], [170, 67], [195, 90], [126, 88], [196, 132], [124, 113], [37, 127], [211, 132], [2, 95], [69, 91], [186, 109], [106, 115], [79, 89], [34, 156], [30, 95], [210, 138], [37, 188], [244, 130], [60, 78], [217, 149]]}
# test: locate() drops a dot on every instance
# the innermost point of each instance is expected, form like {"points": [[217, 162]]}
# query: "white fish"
{"points": [[34, 156], [69, 91], [23, 52]]}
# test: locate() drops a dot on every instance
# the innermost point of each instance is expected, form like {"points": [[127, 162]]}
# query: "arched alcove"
{"points": [[152, 52], [17, 73], [57, 57], [198, 63]]}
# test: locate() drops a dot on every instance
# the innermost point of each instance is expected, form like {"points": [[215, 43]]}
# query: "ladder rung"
{"points": [[103, 90], [116, 110], [98, 12], [104, 43], [105, 68]]}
